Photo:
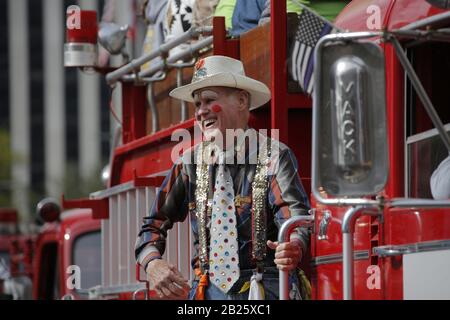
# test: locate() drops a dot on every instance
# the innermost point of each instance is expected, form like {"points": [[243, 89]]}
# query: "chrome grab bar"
{"points": [[283, 236], [135, 293], [348, 226], [390, 251]]}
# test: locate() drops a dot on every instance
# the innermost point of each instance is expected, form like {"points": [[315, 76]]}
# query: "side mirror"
{"points": [[350, 154], [48, 210]]}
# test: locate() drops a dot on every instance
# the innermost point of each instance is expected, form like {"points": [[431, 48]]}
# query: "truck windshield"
{"points": [[86, 255], [425, 150]]}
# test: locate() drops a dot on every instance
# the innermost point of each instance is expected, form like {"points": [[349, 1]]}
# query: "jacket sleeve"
{"points": [[287, 197], [440, 181], [170, 206]]}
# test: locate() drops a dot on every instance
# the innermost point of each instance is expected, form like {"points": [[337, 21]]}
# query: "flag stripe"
{"points": [[294, 61], [299, 62], [305, 63], [309, 70]]}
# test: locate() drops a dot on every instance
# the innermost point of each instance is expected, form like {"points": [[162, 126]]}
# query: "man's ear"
{"points": [[244, 100]]}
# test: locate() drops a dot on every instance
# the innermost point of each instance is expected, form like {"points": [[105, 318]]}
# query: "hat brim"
{"points": [[259, 92]]}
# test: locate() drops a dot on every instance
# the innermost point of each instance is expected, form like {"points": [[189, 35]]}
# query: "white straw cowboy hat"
{"points": [[221, 71]]}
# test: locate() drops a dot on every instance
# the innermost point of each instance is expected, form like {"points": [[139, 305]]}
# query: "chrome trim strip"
{"points": [[412, 203], [396, 250], [425, 135], [429, 21], [99, 291], [337, 258], [83, 47], [127, 186]]}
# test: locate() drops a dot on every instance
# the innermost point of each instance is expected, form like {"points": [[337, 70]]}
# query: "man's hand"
{"points": [[287, 254], [167, 280]]}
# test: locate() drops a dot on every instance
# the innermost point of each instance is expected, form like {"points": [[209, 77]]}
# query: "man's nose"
{"points": [[203, 110]]}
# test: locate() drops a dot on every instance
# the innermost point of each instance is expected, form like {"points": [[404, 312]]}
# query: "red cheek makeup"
{"points": [[216, 108]]}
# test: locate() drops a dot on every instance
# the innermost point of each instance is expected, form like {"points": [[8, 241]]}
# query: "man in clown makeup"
{"points": [[236, 190]]}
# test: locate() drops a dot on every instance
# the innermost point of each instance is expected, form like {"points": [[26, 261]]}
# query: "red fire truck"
{"points": [[61, 260], [369, 140], [8, 229], [66, 260]]}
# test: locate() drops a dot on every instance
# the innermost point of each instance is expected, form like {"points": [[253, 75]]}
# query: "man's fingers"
{"points": [[285, 261], [166, 292], [272, 245], [179, 280], [288, 246], [287, 253], [176, 290], [159, 292], [286, 267]]}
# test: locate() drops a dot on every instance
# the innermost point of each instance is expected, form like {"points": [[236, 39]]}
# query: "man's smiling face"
{"points": [[220, 108]]}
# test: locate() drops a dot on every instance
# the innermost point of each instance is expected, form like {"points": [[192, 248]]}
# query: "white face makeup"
{"points": [[228, 117], [207, 120]]}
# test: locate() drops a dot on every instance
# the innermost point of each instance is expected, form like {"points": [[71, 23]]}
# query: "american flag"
{"points": [[311, 28]]}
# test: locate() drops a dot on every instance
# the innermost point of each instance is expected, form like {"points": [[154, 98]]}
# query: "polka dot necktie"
{"points": [[223, 255]]}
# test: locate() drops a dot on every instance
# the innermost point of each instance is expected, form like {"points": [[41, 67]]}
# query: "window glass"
{"points": [[424, 156], [87, 255]]}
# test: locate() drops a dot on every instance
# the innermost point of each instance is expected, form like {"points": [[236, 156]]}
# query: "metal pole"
{"points": [[283, 236], [348, 227], [441, 17], [153, 110], [183, 103], [417, 203], [161, 51], [348, 223], [347, 265], [189, 52], [179, 67], [421, 92]]}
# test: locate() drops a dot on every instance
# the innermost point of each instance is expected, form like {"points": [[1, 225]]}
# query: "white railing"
{"points": [[128, 205]]}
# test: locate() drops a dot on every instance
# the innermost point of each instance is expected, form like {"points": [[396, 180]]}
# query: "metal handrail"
{"points": [[179, 66], [162, 50], [283, 236], [348, 225], [153, 109], [417, 203], [191, 51]]}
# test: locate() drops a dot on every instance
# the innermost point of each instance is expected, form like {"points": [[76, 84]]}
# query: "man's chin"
{"points": [[213, 135]]}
